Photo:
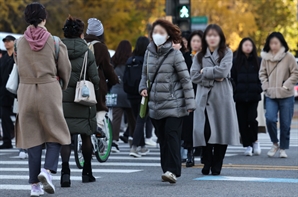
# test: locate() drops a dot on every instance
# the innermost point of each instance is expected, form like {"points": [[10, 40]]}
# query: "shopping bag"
{"points": [[13, 80]]}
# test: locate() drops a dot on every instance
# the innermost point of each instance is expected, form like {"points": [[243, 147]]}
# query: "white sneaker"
{"points": [[273, 150], [36, 190], [282, 154], [143, 151], [23, 155], [169, 177], [134, 152], [46, 180], [248, 151], [257, 148], [150, 142], [115, 148]]}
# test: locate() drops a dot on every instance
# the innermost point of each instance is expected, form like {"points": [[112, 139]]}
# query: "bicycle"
{"points": [[101, 146]]}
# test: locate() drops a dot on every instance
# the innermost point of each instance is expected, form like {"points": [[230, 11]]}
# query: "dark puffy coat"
{"points": [[118, 89], [248, 84], [6, 65], [105, 71], [172, 93], [79, 118]]}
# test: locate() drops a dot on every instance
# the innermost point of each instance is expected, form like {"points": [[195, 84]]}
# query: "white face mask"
{"points": [[159, 39]]}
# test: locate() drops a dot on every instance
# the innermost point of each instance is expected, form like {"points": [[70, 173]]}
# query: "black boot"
{"points": [[65, 175], [190, 162], [208, 158], [87, 173]]}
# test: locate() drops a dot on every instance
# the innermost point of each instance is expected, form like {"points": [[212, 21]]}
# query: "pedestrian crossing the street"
{"points": [[14, 171]]}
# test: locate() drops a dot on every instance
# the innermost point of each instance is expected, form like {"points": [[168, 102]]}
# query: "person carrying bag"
{"points": [[144, 102]]}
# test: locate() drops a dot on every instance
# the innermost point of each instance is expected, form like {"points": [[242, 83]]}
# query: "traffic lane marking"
{"points": [[21, 177], [15, 187], [246, 179], [73, 170], [126, 164], [254, 167]]}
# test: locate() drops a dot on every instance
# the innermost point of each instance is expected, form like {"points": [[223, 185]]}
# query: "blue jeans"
{"points": [[285, 107], [51, 160]]}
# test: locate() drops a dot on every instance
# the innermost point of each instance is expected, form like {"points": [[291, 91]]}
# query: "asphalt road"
{"points": [[124, 176]]}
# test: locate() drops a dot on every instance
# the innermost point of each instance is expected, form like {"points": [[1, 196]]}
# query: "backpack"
{"points": [[132, 77], [57, 50], [91, 45]]}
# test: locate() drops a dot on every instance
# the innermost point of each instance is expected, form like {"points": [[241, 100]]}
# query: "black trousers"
{"points": [[168, 130], [213, 154], [187, 131], [138, 136], [248, 125], [7, 125]]}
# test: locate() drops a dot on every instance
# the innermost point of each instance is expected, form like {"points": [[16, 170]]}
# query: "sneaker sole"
{"points": [[47, 186], [271, 155], [168, 179], [35, 195], [135, 155]]}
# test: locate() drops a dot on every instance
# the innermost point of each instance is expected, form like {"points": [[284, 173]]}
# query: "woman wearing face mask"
{"points": [[278, 74], [194, 46], [171, 97], [245, 73], [215, 120]]}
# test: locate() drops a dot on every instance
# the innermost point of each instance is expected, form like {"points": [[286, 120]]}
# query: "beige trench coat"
{"points": [[40, 117]]}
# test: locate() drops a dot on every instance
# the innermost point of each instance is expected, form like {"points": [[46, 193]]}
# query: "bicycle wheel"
{"points": [[104, 145], [77, 141]]}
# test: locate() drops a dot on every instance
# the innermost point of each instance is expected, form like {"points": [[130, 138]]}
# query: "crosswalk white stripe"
{"points": [[110, 164], [73, 170], [15, 187], [22, 177]]}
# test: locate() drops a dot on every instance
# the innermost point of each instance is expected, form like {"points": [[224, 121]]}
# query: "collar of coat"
{"points": [[214, 56], [274, 58], [162, 50]]}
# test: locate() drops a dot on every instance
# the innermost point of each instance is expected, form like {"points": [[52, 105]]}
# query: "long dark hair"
{"points": [[222, 44], [194, 33], [141, 46], [280, 37], [240, 59], [122, 53]]}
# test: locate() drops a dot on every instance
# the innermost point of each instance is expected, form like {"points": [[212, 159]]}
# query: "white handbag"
{"points": [[13, 80], [85, 93]]}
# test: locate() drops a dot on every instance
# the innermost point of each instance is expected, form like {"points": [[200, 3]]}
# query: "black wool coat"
{"points": [[248, 84], [6, 65]]}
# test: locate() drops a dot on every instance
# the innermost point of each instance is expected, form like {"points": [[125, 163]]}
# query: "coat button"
{"points": [[208, 104]]}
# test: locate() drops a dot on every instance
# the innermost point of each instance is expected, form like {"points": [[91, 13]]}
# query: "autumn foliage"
{"points": [[128, 19]]}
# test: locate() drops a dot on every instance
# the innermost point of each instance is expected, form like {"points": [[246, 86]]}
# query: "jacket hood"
{"points": [[274, 58], [76, 47], [162, 50], [36, 37]]}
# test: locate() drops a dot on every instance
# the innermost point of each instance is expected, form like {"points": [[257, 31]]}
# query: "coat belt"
{"points": [[41, 80]]}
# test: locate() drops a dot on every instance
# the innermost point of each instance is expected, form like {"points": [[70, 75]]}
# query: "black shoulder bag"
{"points": [[144, 102]]}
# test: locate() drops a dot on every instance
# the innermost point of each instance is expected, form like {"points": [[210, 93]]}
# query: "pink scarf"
{"points": [[36, 37]]}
